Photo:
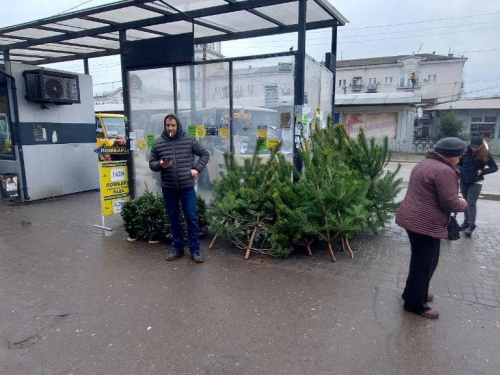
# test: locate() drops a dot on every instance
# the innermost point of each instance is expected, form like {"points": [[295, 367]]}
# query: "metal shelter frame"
{"points": [[103, 31]]}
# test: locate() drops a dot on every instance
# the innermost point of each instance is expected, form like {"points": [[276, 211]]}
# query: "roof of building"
{"points": [[468, 104], [94, 32], [378, 98], [393, 60]]}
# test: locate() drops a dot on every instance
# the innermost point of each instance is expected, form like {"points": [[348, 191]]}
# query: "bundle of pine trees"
{"points": [[270, 207]]}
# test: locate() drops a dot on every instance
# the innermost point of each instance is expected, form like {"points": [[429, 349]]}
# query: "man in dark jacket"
{"points": [[173, 155]]}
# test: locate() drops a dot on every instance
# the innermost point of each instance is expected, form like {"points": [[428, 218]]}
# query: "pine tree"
{"points": [[336, 195], [369, 159], [449, 125], [244, 211]]}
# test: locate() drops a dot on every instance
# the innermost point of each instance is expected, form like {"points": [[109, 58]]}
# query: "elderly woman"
{"points": [[474, 165], [431, 197]]}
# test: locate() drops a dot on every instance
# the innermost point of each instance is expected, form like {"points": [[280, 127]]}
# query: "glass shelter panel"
{"points": [[263, 91], [325, 97], [151, 99], [203, 104], [312, 91]]}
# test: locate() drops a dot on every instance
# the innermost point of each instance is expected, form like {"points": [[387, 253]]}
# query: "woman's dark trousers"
{"points": [[423, 263], [470, 192]]}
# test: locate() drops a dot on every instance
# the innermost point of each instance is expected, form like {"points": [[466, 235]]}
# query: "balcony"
{"points": [[356, 86], [372, 87]]}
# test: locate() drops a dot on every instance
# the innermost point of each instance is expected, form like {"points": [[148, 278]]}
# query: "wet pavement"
{"points": [[76, 302]]}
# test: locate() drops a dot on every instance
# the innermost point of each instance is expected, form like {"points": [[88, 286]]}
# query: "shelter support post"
{"points": [[333, 67], [126, 111], [300, 59], [86, 66]]}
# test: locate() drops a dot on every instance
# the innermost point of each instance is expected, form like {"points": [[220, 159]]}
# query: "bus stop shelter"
{"points": [[228, 101]]}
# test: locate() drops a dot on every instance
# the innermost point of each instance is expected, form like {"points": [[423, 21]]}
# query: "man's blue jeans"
{"points": [[187, 198]]}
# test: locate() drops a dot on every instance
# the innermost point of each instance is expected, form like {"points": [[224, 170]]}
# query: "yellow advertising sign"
{"points": [[200, 131], [224, 130], [262, 131], [271, 143], [114, 186]]}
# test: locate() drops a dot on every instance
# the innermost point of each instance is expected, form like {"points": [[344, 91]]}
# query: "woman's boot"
{"points": [[463, 226], [469, 230]]}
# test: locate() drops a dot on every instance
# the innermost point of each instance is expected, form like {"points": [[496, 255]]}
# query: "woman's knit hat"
{"points": [[450, 147]]}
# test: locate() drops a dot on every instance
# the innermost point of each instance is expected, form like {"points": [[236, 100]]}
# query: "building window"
{"points": [[388, 80], [431, 78], [405, 80], [250, 89], [342, 82], [484, 127], [238, 91], [356, 83], [372, 81]]}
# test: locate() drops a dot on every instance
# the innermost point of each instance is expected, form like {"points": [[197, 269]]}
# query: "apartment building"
{"points": [[437, 78]]}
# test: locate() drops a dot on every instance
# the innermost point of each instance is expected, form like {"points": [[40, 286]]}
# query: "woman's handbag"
{"points": [[453, 228]]}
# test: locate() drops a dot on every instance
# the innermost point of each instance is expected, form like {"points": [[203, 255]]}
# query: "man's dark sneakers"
{"points": [[174, 254], [197, 258]]}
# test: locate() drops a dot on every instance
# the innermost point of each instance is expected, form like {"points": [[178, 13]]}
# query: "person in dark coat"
{"points": [[173, 155], [431, 197], [474, 165]]}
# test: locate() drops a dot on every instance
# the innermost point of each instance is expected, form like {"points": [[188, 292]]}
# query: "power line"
{"points": [[417, 30], [73, 8], [422, 21]]}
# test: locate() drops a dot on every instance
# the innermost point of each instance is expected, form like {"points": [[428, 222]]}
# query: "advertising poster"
{"points": [[224, 130], [271, 96], [286, 120], [114, 186], [150, 138], [200, 131], [377, 125], [262, 133]]}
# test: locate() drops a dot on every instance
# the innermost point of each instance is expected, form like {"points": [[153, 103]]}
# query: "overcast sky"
{"points": [[376, 28]]}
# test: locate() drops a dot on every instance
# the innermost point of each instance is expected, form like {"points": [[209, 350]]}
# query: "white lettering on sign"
{"points": [[117, 174]]}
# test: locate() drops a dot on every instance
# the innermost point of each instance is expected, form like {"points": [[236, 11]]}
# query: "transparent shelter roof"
{"points": [[94, 32]]}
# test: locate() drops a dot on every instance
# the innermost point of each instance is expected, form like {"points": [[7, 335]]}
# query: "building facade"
{"points": [[480, 116], [436, 78]]}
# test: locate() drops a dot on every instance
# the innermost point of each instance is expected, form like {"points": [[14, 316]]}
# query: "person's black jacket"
{"points": [[469, 166], [181, 150]]}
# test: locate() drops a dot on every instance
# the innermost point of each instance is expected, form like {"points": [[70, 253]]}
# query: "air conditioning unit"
{"points": [[44, 86]]}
